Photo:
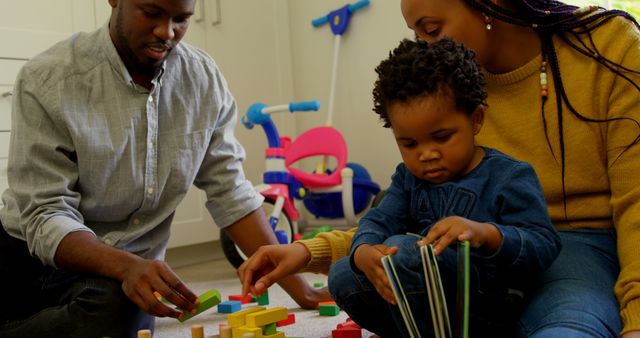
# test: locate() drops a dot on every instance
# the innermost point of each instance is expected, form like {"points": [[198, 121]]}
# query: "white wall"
{"points": [[372, 33]]}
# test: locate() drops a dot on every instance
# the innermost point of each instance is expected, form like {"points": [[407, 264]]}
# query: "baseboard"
{"points": [[193, 254]]}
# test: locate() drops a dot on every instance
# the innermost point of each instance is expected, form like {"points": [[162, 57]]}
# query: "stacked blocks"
{"points": [[207, 301], [258, 321], [328, 309]]}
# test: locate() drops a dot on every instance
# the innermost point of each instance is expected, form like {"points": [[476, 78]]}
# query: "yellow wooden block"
{"points": [[278, 334], [265, 317], [238, 332], [237, 319]]}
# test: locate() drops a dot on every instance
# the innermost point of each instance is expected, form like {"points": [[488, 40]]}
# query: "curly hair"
{"points": [[418, 68]]}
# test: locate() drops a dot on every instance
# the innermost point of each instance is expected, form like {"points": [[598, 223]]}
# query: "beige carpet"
{"points": [[220, 275]]}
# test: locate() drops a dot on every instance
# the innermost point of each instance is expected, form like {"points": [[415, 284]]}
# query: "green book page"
{"points": [[462, 295]]}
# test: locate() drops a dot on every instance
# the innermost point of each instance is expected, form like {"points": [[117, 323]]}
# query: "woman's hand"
{"points": [[368, 259], [271, 263], [455, 228]]}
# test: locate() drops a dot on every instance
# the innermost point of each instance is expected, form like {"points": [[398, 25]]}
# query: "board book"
{"points": [[435, 293]]}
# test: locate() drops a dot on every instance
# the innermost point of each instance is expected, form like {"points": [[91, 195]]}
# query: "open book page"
{"points": [[398, 292], [437, 301]]}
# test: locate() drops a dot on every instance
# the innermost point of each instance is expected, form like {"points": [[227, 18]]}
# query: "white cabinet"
{"points": [[27, 27]]}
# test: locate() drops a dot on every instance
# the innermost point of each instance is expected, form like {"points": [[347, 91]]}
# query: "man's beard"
{"points": [[129, 57]]}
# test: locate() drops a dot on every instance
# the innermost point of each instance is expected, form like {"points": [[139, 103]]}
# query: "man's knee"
{"points": [[102, 303]]}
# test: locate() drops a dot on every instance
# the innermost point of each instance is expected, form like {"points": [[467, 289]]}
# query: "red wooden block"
{"points": [[348, 324], [243, 300], [291, 319], [346, 333]]}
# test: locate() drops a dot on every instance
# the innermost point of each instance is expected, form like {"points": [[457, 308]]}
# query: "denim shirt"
{"points": [[93, 151], [500, 190]]}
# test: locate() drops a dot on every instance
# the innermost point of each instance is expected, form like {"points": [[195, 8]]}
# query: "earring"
{"points": [[488, 20]]}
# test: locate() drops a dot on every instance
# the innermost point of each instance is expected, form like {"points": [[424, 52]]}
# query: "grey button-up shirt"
{"points": [[92, 151]]}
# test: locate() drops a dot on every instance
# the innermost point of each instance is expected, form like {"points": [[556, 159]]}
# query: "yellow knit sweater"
{"points": [[602, 183]]}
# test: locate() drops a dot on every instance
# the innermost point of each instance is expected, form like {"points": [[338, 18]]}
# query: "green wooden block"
{"points": [[269, 329], [329, 310], [318, 284], [208, 300], [264, 299]]}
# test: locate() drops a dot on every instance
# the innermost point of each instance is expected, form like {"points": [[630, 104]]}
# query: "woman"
{"points": [[564, 95]]}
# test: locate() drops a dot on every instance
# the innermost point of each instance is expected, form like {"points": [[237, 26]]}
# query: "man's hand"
{"points": [[368, 259], [269, 264], [146, 276], [81, 251]]}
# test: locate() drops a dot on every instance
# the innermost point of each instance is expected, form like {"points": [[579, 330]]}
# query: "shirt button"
{"points": [[150, 191], [136, 221], [150, 145], [150, 98], [108, 242]]}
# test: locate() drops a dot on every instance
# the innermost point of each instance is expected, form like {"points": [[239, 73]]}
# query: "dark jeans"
{"points": [[41, 301], [493, 311], [575, 298]]}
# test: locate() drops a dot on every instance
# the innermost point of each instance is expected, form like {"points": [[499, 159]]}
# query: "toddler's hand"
{"points": [[455, 228], [368, 259]]}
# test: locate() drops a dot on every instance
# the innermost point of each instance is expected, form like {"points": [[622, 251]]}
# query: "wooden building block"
{"points": [[329, 310], [243, 300], [229, 306], [275, 335], [264, 298], [239, 318], [239, 332], [291, 319], [144, 333], [346, 333], [225, 331], [349, 323], [207, 301], [197, 331], [269, 329], [273, 315]]}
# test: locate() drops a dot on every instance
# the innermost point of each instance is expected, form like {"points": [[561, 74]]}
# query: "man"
{"points": [[110, 130]]}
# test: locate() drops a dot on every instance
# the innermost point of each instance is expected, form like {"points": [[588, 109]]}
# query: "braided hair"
{"points": [[418, 68], [548, 18]]}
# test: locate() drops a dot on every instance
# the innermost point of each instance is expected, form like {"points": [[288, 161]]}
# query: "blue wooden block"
{"points": [[229, 306]]}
